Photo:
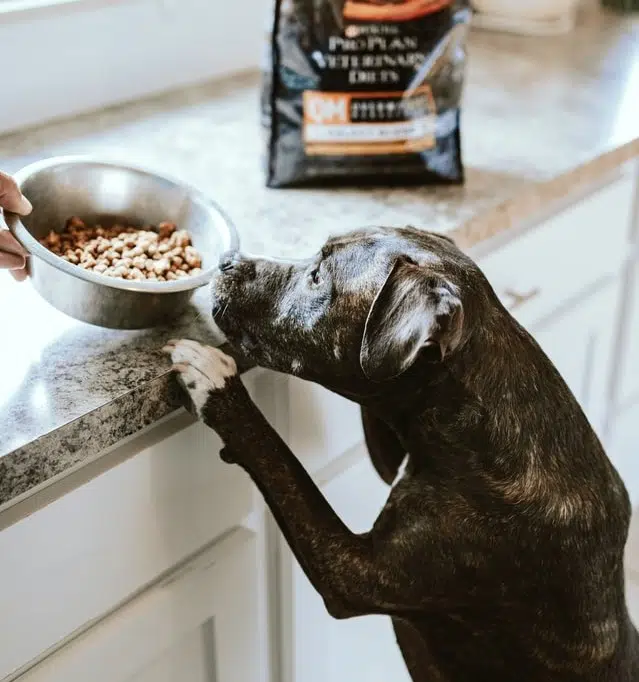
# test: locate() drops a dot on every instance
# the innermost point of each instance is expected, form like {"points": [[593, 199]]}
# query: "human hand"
{"points": [[12, 255]]}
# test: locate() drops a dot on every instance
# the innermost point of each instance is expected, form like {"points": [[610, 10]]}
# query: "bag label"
{"points": [[361, 91], [366, 103], [337, 123]]}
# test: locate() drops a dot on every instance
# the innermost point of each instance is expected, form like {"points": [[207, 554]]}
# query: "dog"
{"points": [[499, 552]]}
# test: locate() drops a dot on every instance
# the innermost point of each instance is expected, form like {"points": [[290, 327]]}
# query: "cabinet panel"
{"points": [[201, 624], [539, 271], [187, 661], [82, 555], [323, 425], [357, 650], [623, 450], [581, 345], [629, 386], [632, 599]]}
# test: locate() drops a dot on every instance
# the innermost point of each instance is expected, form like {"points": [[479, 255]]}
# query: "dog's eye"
{"points": [[315, 276]]}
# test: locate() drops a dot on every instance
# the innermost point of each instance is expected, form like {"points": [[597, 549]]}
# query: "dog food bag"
{"points": [[364, 91]]}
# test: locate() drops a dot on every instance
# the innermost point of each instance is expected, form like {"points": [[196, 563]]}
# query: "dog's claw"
{"points": [[169, 346]]}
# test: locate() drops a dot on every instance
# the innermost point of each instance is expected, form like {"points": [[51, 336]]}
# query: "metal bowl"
{"points": [[103, 192]]}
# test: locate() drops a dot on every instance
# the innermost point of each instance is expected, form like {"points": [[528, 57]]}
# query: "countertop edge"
{"points": [[532, 200], [85, 437]]}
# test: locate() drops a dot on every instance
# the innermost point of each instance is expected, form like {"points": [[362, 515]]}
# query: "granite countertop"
{"points": [[541, 116]]}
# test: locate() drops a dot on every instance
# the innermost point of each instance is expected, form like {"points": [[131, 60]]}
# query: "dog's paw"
{"points": [[203, 371]]}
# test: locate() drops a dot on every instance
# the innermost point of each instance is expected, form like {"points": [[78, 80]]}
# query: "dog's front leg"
{"points": [[340, 564]]}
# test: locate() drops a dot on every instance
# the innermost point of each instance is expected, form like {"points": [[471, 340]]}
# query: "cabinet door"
{"points": [[89, 551], [199, 624], [623, 449], [629, 380], [536, 273], [323, 425], [318, 648], [580, 343]]}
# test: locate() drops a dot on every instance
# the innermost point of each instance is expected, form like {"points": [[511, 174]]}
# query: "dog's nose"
{"points": [[228, 261]]}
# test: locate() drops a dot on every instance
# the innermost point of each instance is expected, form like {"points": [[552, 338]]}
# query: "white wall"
{"points": [[79, 55]]}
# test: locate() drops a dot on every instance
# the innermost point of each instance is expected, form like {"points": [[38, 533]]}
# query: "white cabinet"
{"points": [[321, 648], [199, 624], [561, 280], [324, 425], [192, 659], [548, 266], [580, 343], [629, 379], [89, 551], [623, 450]]}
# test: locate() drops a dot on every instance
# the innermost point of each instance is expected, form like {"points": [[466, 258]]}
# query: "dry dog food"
{"points": [[161, 253], [364, 90]]}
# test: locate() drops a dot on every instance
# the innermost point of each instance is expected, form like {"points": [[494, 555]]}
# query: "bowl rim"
{"points": [[33, 246]]}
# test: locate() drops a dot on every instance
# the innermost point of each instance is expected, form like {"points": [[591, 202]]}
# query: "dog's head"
{"points": [[362, 311]]}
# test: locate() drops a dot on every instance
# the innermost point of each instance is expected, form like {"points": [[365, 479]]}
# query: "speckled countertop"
{"points": [[541, 117]]}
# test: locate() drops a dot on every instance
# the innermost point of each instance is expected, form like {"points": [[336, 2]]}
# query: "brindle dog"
{"points": [[499, 553]]}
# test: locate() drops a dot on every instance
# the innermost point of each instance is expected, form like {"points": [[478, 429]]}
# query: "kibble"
{"points": [[158, 254]]}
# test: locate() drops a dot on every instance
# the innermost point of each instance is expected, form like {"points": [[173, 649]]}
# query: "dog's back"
{"points": [[530, 515]]}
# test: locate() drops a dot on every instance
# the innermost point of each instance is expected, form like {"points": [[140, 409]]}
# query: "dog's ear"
{"points": [[412, 311]]}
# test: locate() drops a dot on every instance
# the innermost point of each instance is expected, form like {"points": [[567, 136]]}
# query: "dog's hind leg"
{"points": [[384, 449], [417, 657]]}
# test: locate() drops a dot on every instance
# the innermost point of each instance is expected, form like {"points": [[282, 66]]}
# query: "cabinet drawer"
{"points": [[322, 424], [88, 551], [539, 271], [200, 624]]}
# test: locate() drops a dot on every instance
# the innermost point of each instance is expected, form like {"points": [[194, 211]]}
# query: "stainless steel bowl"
{"points": [[104, 192]]}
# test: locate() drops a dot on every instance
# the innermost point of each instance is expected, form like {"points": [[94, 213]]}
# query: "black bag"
{"points": [[364, 91]]}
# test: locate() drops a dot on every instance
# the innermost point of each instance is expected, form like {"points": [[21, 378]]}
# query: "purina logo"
{"points": [[323, 108]]}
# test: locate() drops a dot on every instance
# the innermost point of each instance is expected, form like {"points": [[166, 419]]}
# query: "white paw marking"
{"points": [[201, 369], [296, 366]]}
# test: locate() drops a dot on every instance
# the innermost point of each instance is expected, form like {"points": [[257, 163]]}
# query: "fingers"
{"points": [[11, 197], [13, 256], [19, 275], [11, 261], [9, 245]]}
